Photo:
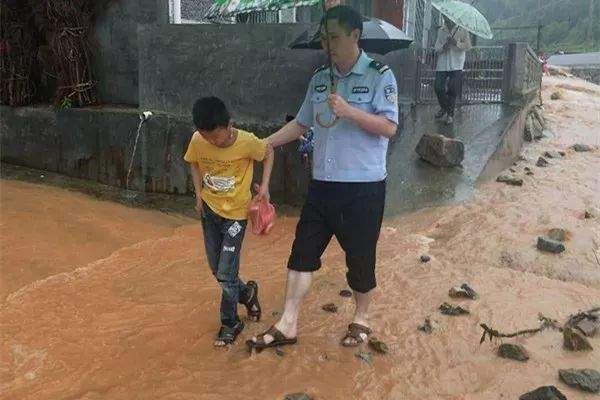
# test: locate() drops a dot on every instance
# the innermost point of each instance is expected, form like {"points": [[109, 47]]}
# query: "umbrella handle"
{"points": [[326, 124]]}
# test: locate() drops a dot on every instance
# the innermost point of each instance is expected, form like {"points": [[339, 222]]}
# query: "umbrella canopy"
{"points": [[465, 16], [378, 37], [229, 8]]}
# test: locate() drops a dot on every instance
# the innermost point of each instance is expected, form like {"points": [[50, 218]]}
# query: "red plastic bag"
{"points": [[262, 216]]}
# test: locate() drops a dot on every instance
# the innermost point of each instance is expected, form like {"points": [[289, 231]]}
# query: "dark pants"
{"points": [[447, 87], [353, 212], [223, 241]]}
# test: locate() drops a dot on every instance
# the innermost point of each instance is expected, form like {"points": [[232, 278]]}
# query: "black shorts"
{"points": [[353, 213]]}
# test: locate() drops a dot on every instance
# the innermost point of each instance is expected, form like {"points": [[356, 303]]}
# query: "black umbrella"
{"points": [[378, 37]]}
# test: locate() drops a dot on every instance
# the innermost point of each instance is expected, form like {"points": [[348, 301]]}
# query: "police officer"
{"points": [[347, 194]]}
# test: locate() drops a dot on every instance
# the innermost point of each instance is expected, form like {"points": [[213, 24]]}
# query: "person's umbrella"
{"points": [[465, 16], [378, 37]]}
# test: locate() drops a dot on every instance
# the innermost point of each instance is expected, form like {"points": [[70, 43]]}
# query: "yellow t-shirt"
{"points": [[227, 172]]}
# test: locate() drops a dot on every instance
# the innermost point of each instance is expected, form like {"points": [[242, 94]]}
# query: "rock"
{"points": [[297, 396], [512, 170], [425, 258], [513, 352], [345, 293], [593, 212], [330, 307], [529, 173], [552, 246], [365, 356], [279, 351], [557, 234], [275, 313], [427, 326], [378, 345], [538, 129], [539, 115], [440, 150], [587, 380], [588, 327], [449, 309], [581, 148], [542, 162], [529, 130], [464, 291], [552, 154], [510, 180], [575, 341], [562, 153], [527, 169], [557, 95], [544, 393]]}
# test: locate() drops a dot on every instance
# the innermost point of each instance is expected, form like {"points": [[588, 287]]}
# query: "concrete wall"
{"points": [[250, 67], [590, 74]]}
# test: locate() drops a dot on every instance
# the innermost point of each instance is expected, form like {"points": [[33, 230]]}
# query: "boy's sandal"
{"points": [[279, 339], [228, 335], [252, 305], [358, 333]]}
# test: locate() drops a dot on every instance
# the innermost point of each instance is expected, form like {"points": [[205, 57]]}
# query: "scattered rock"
{"points": [[587, 380], [527, 169], [464, 291], [557, 95], [31, 375], [529, 173], [575, 341], [547, 133], [560, 235], [581, 148], [544, 393], [440, 150], [378, 345], [449, 309], [593, 212], [365, 356], [562, 153], [538, 112], [552, 154], [513, 352], [542, 162], [510, 180], [427, 326], [275, 313], [538, 129], [528, 133], [330, 307], [425, 258], [279, 351], [588, 327], [552, 246], [323, 357], [345, 293], [297, 396], [512, 170]]}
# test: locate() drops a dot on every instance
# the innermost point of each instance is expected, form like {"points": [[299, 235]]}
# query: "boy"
{"points": [[221, 159]]}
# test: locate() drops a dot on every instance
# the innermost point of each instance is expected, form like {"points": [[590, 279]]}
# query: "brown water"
{"points": [[108, 302]]}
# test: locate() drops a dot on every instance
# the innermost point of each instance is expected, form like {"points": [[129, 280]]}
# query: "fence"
{"points": [[484, 74]]}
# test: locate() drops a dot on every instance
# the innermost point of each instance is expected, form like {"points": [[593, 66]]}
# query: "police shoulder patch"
{"points": [[379, 66]]}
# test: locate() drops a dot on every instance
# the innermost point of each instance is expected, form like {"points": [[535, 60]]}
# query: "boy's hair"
{"points": [[210, 113], [347, 17]]}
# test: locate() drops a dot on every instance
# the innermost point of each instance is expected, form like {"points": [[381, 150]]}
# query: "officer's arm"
{"points": [[290, 132], [374, 124]]}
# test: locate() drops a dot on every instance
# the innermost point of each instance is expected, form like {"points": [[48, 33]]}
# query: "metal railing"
{"points": [[483, 75]]}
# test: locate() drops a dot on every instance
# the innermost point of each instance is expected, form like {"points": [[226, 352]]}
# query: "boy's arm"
{"points": [[197, 179], [263, 189]]}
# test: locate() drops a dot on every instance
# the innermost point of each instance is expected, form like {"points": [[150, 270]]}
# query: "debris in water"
{"points": [[449, 309], [378, 345]]}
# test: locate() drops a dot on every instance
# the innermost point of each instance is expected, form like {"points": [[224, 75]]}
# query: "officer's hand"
{"points": [[339, 106]]}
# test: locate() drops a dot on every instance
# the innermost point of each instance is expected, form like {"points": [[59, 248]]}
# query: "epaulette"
{"points": [[379, 66], [321, 68]]}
